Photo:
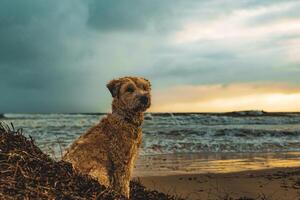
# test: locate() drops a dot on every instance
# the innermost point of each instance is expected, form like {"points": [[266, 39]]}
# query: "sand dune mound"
{"points": [[26, 172]]}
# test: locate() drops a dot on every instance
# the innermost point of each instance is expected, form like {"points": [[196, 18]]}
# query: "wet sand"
{"points": [[271, 184], [199, 163], [218, 176]]}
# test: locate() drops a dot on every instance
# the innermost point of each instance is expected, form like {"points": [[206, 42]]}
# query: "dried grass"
{"points": [[28, 173]]}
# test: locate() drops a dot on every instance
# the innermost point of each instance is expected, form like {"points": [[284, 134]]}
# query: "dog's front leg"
{"points": [[120, 177]]}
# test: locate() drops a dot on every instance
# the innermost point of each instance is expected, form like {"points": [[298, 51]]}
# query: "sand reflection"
{"points": [[161, 165]]}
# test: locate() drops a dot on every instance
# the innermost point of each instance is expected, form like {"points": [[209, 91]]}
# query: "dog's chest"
{"points": [[127, 140], [127, 132]]}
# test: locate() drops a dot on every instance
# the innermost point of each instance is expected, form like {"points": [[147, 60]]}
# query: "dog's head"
{"points": [[130, 93]]}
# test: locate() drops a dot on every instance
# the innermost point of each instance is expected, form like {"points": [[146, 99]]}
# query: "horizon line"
{"points": [[193, 112]]}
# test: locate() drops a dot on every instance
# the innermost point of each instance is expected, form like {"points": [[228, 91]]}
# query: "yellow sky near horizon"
{"points": [[271, 97]]}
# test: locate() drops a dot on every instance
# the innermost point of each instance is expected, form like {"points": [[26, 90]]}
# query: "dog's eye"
{"points": [[145, 87], [130, 89]]}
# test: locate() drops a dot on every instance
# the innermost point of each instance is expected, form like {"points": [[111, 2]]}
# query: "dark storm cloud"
{"points": [[21, 29], [49, 49], [33, 56], [141, 15], [124, 15]]}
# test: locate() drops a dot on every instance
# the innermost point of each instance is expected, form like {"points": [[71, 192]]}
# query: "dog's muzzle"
{"points": [[144, 100]]}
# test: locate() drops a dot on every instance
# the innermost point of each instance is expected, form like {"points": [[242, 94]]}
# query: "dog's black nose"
{"points": [[144, 100]]}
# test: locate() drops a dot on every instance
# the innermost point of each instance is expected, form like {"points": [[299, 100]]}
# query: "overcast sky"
{"points": [[216, 55]]}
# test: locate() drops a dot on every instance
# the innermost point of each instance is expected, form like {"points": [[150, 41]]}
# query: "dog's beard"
{"points": [[139, 108], [142, 107]]}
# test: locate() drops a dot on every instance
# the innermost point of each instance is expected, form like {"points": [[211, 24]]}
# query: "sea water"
{"points": [[198, 136]]}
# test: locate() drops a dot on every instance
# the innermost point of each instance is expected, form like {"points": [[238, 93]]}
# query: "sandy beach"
{"points": [[209, 176], [271, 184]]}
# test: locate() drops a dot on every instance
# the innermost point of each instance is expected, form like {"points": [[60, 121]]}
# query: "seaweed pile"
{"points": [[27, 173]]}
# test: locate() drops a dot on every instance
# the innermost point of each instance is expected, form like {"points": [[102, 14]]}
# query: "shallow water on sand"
{"points": [[197, 163]]}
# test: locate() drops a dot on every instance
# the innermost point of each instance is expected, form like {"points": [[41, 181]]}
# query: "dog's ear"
{"points": [[148, 82], [114, 86]]}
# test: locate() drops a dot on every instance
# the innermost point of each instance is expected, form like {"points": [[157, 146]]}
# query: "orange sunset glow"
{"points": [[272, 97]]}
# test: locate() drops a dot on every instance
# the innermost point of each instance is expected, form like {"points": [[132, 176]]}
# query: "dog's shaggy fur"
{"points": [[109, 149]]}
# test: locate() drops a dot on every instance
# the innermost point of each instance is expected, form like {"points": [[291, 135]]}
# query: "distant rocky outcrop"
{"points": [[247, 113], [258, 113]]}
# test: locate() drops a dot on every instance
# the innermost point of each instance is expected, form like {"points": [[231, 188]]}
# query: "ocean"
{"points": [[182, 138]]}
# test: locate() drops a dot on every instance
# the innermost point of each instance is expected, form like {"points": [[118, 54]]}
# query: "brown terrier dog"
{"points": [[109, 149]]}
